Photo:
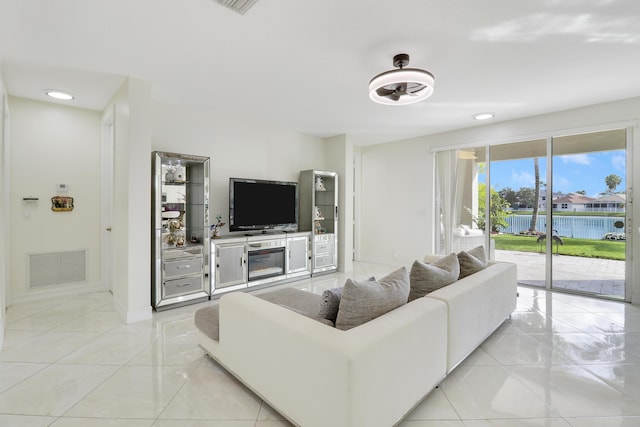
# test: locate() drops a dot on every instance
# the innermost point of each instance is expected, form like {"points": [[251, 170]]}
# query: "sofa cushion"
{"points": [[427, 278], [330, 303], [207, 319], [364, 301], [309, 315], [472, 261]]}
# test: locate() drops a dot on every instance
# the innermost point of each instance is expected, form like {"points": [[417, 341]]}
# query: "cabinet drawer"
{"points": [[181, 252], [182, 286], [183, 267], [324, 247], [323, 260]]}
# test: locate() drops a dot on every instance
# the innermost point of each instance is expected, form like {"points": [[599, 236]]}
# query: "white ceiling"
{"points": [[306, 65]]}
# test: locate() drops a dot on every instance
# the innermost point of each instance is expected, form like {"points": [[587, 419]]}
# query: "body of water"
{"points": [[582, 227]]}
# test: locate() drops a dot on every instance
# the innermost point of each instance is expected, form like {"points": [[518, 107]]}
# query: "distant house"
{"points": [[542, 201], [608, 203], [572, 202]]}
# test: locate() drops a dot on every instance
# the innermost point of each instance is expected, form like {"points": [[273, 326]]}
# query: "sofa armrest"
{"points": [[477, 306], [317, 375]]}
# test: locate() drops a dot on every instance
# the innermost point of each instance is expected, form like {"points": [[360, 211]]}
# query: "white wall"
{"points": [[237, 149], [339, 155], [4, 205], [396, 202], [132, 200], [397, 178], [53, 144]]}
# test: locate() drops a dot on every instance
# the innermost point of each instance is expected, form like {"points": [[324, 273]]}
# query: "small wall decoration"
{"points": [[61, 204]]}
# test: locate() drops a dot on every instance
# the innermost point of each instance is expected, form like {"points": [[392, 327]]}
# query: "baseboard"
{"points": [[55, 292], [132, 316]]}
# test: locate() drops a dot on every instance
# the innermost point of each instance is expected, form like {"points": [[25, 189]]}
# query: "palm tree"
{"points": [[612, 182], [536, 196]]}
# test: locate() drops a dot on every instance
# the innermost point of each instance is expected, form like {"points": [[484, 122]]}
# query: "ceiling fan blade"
{"points": [[382, 91], [416, 90]]}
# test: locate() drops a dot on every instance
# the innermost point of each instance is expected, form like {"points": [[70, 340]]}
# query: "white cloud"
{"points": [[522, 179], [560, 183], [619, 162], [581, 159]]}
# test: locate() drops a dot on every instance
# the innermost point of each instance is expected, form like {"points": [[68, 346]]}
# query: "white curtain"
{"points": [[447, 197]]}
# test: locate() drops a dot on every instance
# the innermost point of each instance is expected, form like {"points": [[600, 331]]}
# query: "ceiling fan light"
{"points": [[406, 75]]}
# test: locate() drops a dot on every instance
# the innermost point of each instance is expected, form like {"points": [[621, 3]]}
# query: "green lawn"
{"points": [[587, 248]]}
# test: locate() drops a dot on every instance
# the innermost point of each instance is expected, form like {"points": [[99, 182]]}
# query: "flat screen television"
{"points": [[256, 204]]}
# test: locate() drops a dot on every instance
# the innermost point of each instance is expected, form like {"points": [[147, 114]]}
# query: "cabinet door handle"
{"points": [[183, 266]]}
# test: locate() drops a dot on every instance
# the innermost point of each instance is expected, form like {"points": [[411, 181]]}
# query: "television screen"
{"points": [[260, 204]]}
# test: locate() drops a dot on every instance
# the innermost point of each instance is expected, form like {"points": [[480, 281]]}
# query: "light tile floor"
{"points": [[561, 360]]}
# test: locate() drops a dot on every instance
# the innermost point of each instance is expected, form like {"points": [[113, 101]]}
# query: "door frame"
{"points": [[107, 173]]}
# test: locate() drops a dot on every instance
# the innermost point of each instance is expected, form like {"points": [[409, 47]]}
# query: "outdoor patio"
{"points": [[593, 275]]}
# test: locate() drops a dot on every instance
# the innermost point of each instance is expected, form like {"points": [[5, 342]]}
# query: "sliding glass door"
{"points": [[589, 213], [518, 176], [557, 208]]}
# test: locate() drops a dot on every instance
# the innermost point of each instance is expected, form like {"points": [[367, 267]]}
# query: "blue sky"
{"points": [[571, 173]]}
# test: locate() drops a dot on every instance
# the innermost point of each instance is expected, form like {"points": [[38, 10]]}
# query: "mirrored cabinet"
{"points": [[180, 229], [319, 215]]}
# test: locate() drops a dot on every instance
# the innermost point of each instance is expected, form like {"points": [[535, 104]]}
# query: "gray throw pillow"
{"points": [[472, 261], [427, 278], [330, 303], [364, 301]]}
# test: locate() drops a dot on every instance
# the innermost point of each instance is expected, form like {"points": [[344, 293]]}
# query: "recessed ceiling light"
{"points": [[57, 94], [483, 116]]}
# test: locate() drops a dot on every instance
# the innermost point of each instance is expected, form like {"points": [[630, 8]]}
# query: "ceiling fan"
{"points": [[402, 86]]}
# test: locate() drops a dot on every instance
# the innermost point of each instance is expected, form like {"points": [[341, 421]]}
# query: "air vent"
{"points": [[57, 268], [240, 6]]}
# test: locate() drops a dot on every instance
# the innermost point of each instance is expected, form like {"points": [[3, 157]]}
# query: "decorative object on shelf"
{"points": [[170, 239], [61, 204], [179, 240], [176, 224], [402, 86], [318, 213], [319, 229], [320, 184], [180, 173], [177, 173], [170, 175], [216, 228]]}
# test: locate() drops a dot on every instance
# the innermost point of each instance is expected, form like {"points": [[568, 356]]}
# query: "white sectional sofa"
{"points": [[371, 375]]}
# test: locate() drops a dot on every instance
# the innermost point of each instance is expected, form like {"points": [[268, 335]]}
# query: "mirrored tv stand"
{"points": [[258, 260]]}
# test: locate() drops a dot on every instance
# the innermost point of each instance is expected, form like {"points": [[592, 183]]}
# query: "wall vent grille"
{"points": [[240, 6], [57, 268]]}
